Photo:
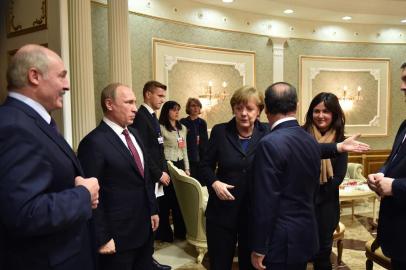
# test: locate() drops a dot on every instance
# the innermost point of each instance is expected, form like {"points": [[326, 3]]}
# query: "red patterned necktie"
{"points": [[134, 152]]}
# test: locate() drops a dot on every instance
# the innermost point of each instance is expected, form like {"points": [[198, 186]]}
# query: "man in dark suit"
{"points": [[147, 126], [286, 178], [127, 213], [45, 203], [390, 184]]}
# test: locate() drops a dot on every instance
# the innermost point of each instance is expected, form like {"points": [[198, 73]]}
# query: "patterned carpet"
{"points": [[359, 230]]}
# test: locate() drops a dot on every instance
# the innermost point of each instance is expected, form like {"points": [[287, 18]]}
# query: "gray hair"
{"points": [[29, 57]]}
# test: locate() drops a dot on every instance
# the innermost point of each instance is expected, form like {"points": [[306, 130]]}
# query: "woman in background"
{"points": [[325, 120], [226, 169], [174, 135], [196, 138]]}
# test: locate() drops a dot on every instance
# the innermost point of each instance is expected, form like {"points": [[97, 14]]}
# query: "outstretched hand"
{"points": [[352, 145]]}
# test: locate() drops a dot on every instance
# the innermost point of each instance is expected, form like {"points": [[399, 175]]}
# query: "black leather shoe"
{"points": [[157, 266]]}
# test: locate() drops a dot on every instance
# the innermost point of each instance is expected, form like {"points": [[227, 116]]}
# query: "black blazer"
{"points": [[195, 151], [127, 199], [286, 180], [234, 167], [43, 215], [392, 214], [144, 124]]}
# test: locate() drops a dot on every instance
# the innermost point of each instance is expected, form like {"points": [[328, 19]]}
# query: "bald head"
{"points": [[27, 57], [38, 73], [281, 98]]}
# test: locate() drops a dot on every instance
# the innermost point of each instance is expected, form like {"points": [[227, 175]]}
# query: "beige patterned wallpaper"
{"points": [[193, 78], [364, 110], [143, 29], [396, 52]]}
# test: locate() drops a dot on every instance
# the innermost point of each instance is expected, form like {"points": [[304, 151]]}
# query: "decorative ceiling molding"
{"points": [[203, 15]]}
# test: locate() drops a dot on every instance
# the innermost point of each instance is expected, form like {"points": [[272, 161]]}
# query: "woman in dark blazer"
{"points": [[196, 138], [325, 121], [231, 150]]}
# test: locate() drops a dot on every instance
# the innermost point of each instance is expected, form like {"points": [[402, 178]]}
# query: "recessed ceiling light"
{"points": [[346, 18], [403, 21], [288, 11], [228, 1]]}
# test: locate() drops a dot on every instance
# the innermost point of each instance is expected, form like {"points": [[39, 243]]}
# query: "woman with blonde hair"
{"points": [[226, 168], [196, 138]]}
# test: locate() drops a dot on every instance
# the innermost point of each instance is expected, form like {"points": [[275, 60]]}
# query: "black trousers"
{"points": [[222, 241], [398, 265], [134, 259], [167, 203], [284, 266], [328, 216], [194, 172]]}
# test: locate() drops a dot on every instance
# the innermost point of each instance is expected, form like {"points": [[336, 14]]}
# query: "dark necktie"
{"points": [[134, 152], [53, 125], [156, 124], [401, 146]]}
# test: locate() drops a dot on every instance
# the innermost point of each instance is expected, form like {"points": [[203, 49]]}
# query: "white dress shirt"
{"points": [[33, 104], [119, 131]]}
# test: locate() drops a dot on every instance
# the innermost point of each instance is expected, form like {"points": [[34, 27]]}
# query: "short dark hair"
{"points": [[333, 105], [280, 97], [403, 66], [108, 92], [164, 116], [151, 85]]}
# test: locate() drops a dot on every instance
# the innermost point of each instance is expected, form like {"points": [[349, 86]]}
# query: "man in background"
{"points": [[45, 203], [390, 184], [286, 178], [147, 125], [127, 213]]}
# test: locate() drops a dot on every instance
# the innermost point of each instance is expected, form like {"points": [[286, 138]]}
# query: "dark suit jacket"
{"points": [[144, 124], [392, 214], [286, 179], [195, 151], [234, 167], [45, 217], [127, 199]]}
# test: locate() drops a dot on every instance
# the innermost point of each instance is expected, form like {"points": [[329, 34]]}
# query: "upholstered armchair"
{"points": [[374, 254], [354, 172], [192, 198]]}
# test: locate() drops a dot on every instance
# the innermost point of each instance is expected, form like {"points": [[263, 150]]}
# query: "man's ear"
{"points": [[33, 76], [147, 94], [109, 104]]}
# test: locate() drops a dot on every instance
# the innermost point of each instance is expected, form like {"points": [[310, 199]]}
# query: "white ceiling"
{"points": [[362, 11]]}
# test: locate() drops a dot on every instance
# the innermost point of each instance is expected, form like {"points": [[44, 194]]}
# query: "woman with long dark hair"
{"points": [[325, 120], [174, 135]]}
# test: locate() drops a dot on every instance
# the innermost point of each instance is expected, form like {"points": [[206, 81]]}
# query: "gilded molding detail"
{"points": [[42, 19], [38, 24]]}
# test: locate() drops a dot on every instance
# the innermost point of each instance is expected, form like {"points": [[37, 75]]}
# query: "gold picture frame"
{"points": [[20, 25], [203, 72], [361, 84]]}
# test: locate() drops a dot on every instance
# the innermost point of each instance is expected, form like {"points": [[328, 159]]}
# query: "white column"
{"points": [[64, 32], [119, 42], [81, 67], [278, 49]]}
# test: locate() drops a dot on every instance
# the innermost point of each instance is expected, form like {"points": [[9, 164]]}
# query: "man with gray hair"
{"points": [[45, 203]]}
